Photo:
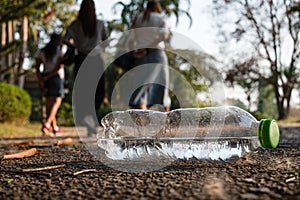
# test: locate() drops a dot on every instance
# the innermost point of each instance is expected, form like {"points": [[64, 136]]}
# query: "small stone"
{"points": [[249, 196]]}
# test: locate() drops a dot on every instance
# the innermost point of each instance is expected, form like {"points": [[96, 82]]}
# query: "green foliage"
{"points": [[57, 16], [258, 115], [132, 8], [54, 16], [266, 100], [103, 111], [255, 47], [36, 110], [15, 104], [24, 26], [295, 9], [236, 102], [65, 115], [192, 69], [12, 10]]}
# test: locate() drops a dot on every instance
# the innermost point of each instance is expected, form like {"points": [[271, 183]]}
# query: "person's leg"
{"points": [[55, 127], [83, 116], [55, 92], [158, 96], [167, 108], [78, 117], [49, 103], [54, 109], [78, 62], [55, 106], [99, 96], [138, 100], [142, 106], [47, 124]]}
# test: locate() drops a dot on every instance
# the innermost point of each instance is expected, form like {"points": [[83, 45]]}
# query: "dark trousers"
{"points": [[99, 95]]}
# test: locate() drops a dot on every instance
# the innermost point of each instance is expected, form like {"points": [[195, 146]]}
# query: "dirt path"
{"points": [[76, 174]]}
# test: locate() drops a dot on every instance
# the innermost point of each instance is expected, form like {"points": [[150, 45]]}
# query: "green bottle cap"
{"points": [[268, 133]]}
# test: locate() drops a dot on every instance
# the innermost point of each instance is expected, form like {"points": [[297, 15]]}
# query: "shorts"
{"points": [[54, 87]]}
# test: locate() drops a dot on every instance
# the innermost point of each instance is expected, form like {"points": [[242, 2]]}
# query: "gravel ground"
{"points": [[263, 174]]}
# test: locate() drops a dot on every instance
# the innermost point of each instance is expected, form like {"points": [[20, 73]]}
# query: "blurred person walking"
{"points": [[156, 93], [87, 32], [51, 81]]}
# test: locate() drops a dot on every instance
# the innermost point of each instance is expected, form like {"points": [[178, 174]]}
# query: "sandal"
{"points": [[57, 132], [46, 130]]}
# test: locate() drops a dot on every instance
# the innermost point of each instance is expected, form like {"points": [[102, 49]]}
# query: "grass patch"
{"points": [[289, 121], [19, 130]]}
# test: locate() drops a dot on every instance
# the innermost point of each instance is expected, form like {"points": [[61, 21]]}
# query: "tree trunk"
{"points": [[10, 37], [283, 102], [279, 102], [3, 57], [14, 53], [281, 110], [288, 95], [24, 38]]}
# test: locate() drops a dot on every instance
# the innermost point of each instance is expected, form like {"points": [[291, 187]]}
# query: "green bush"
{"points": [[65, 115], [36, 109], [258, 115], [15, 104], [103, 111]]}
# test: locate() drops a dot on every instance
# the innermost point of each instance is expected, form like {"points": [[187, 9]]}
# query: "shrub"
{"points": [[15, 104], [65, 115], [103, 111], [258, 115], [36, 110]]}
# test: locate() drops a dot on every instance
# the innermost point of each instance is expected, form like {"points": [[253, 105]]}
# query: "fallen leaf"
{"points": [[23, 154], [65, 142], [8, 180]]}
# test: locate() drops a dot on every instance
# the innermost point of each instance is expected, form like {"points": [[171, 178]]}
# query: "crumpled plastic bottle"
{"points": [[212, 133]]}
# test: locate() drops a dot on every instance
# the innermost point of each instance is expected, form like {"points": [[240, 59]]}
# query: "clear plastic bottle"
{"points": [[213, 133]]}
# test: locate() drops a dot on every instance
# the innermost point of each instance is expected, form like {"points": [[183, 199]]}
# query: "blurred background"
{"points": [[253, 45]]}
